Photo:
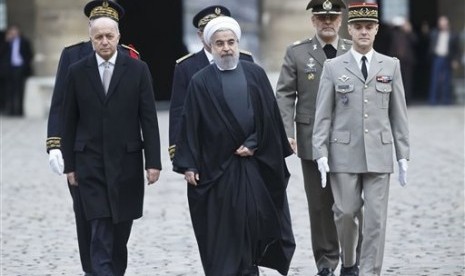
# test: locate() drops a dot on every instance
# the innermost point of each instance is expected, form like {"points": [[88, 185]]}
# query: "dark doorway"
{"points": [[423, 20], [157, 33]]}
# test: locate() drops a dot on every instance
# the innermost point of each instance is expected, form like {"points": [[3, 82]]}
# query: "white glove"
{"points": [[403, 166], [323, 167], [55, 160]]}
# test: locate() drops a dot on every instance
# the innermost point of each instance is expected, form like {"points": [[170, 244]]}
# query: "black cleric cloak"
{"points": [[239, 208]]}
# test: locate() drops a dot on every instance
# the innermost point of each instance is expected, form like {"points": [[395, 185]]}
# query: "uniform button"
{"points": [[366, 116], [335, 139], [366, 86], [366, 130], [365, 101]]}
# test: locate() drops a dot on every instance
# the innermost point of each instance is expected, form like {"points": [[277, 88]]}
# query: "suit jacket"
{"points": [[453, 45], [358, 122], [26, 52], [185, 68], [297, 89], [69, 55], [105, 136]]}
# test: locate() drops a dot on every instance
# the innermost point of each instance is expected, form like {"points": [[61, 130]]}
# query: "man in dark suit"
{"points": [[188, 65], [444, 50], [110, 129], [15, 66], [70, 55]]}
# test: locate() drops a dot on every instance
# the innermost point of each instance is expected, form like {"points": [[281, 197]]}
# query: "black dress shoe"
{"points": [[325, 272], [349, 271]]}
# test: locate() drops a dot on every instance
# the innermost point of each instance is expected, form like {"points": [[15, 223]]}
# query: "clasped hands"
{"points": [[323, 167]]}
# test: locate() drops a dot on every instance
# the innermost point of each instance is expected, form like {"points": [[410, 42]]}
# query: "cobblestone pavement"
{"points": [[425, 234]]}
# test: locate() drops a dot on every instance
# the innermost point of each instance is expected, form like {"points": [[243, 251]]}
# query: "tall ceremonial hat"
{"points": [[326, 6], [363, 12], [103, 8], [204, 16]]}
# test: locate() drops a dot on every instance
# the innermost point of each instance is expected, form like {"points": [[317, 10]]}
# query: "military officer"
{"points": [[361, 117], [188, 65], [296, 94], [70, 55]]}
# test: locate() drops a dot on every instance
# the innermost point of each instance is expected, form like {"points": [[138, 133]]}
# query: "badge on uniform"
{"points": [[384, 79], [344, 89], [310, 69]]}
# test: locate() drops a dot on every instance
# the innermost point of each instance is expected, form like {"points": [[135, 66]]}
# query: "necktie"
{"points": [[329, 51], [106, 76], [364, 67]]}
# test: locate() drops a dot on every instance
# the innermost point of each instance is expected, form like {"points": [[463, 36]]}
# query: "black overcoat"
{"points": [[107, 137], [233, 189]]}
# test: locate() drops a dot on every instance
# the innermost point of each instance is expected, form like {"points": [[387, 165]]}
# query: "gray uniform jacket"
{"points": [[297, 88], [358, 123]]}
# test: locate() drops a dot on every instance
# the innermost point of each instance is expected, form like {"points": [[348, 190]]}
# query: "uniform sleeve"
{"points": [[323, 115], [286, 91]]}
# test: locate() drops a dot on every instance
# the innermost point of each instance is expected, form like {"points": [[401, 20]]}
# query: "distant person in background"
{"points": [[445, 57], [188, 65], [16, 56], [402, 46]]}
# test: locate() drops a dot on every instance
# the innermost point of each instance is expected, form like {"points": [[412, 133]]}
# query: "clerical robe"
{"points": [[239, 208]]}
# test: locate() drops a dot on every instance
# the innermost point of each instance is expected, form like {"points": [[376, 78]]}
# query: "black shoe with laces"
{"points": [[349, 271], [325, 272]]}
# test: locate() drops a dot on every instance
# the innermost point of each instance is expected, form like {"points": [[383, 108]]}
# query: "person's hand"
{"points": [[323, 167], [152, 175], [55, 161], [293, 144], [191, 177], [244, 151], [72, 179], [403, 166]]}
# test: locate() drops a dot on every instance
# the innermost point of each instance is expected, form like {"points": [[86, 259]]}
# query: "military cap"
{"points": [[326, 6], [204, 16], [103, 8], [363, 12]]}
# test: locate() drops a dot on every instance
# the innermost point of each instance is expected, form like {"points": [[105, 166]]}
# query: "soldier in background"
{"points": [[188, 65], [296, 94], [70, 55]]}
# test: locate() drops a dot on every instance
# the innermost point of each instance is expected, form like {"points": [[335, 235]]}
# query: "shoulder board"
{"points": [[298, 42], [245, 52], [184, 57], [347, 41], [76, 44], [130, 48]]}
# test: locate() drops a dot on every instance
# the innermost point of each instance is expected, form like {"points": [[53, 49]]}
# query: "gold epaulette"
{"points": [[130, 48], [76, 44], [245, 52], [184, 57], [53, 143], [172, 150]]}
